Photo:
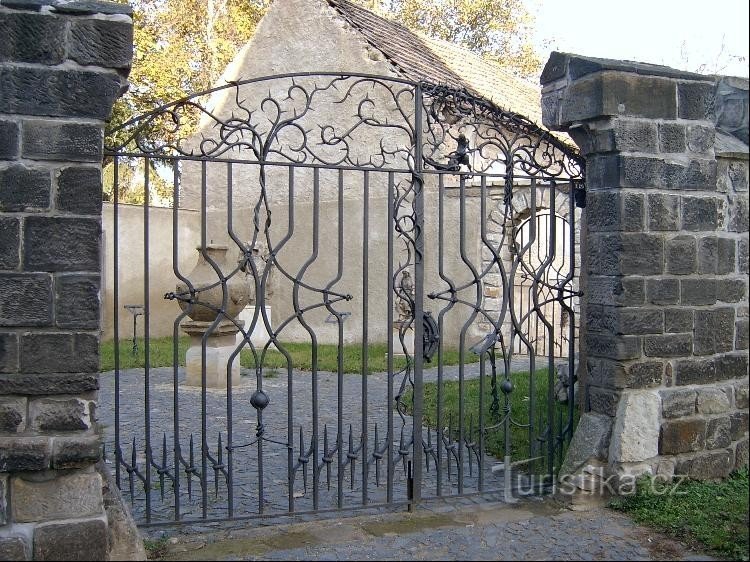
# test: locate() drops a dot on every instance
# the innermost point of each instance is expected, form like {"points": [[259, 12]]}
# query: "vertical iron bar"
{"points": [[116, 311], [418, 184], [175, 341], [439, 415], [290, 375], [146, 334], [390, 227], [365, 334], [230, 426], [315, 420], [552, 245], [340, 358], [204, 418]]}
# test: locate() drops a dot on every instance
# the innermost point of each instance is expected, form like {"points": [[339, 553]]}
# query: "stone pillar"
{"points": [[62, 66], [665, 248]]}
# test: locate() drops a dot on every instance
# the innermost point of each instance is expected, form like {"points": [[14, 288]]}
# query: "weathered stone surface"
{"points": [[69, 414], [714, 331], [695, 100], [741, 454], [613, 211], [668, 345], [731, 290], [694, 371], [663, 212], [590, 440], [603, 400], [615, 290], [104, 43], [678, 320], [59, 353], [613, 347], [77, 301], [58, 92], [624, 321], [125, 542], [14, 547], [718, 433], [731, 366], [75, 452], [635, 434], [738, 425], [12, 414], [8, 355], [86, 7], [53, 140], [678, 403], [739, 215], [79, 190], [698, 291], [71, 540], [25, 299], [23, 188], [712, 465], [712, 401], [682, 436], [741, 395], [635, 136], [700, 213], [9, 242], [24, 453], [700, 138], [743, 256], [52, 384], [32, 38], [681, 255], [672, 137], [716, 255], [61, 244], [8, 139], [663, 291], [75, 495]]}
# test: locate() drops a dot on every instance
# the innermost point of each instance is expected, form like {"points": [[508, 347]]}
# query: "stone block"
{"points": [[613, 211], [57, 352], [700, 213], [663, 212], [642, 254], [77, 301], [712, 465], [76, 452], [12, 414], [695, 371], [741, 395], [104, 43], [663, 291], [603, 400], [682, 436], [678, 403], [79, 191], [23, 188], [700, 138], [25, 299], [739, 216], [738, 425], [63, 141], [635, 136], [742, 334], [696, 175], [71, 540], [742, 256], [695, 100], [640, 171], [731, 366], [8, 355], [63, 496], [615, 290], [48, 384], [712, 401], [32, 38], [31, 90], [10, 240], [672, 137], [624, 321], [681, 254], [60, 414], [726, 256], [708, 254], [678, 320], [741, 454], [14, 547], [713, 331], [590, 440], [668, 345], [698, 291], [61, 244], [635, 434], [731, 290], [8, 140], [613, 347], [22, 454]]}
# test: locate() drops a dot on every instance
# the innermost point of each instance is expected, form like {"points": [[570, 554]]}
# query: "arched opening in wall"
{"points": [[545, 253]]}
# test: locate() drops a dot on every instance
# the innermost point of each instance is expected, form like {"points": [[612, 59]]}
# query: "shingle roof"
{"points": [[418, 57]]}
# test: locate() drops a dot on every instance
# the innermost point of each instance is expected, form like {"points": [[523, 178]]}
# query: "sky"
{"points": [[683, 34]]}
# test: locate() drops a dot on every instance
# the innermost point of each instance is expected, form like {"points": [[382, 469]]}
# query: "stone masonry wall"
{"points": [[665, 263], [62, 65]]}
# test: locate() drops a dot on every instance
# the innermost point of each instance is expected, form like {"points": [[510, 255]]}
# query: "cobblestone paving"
{"points": [[530, 530], [246, 469]]}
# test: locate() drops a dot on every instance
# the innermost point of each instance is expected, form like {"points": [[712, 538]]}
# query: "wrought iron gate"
{"points": [[353, 334]]}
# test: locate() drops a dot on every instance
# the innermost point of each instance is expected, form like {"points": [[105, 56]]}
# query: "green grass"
{"points": [[519, 404], [161, 355], [710, 514]]}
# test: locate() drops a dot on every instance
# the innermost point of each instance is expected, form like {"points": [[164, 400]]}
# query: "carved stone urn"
{"points": [[209, 367], [208, 288]]}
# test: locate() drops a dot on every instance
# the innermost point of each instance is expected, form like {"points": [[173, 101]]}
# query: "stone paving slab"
{"points": [[532, 529]]}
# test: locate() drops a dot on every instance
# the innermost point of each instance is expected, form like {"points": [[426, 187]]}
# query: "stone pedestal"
{"points": [[220, 345], [259, 335], [398, 347]]}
